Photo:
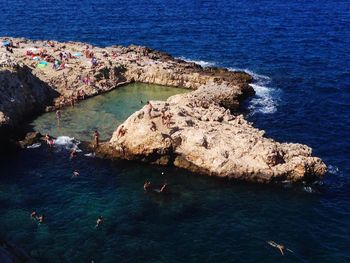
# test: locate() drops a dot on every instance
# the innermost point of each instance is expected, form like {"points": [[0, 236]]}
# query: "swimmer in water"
{"points": [[75, 174], [73, 154], [280, 247], [147, 186], [162, 189], [33, 215], [99, 221], [41, 218]]}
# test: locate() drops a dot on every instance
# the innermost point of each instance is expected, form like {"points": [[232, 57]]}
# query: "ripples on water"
{"points": [[302, 47]]}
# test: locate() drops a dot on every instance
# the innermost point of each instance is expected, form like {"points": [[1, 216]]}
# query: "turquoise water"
{"points": [[104, 113]]}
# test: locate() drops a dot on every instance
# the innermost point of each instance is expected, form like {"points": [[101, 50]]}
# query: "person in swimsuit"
{"points": [[75, 174], [58, 115], [99, 221], [147, 186], [280, 247], [41, 219], [33, 215], [73, 154], [96, 138]]}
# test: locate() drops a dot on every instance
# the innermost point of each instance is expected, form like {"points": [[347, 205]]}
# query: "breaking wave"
{"points": [[67, 143], [266, 98], [199, 62]]}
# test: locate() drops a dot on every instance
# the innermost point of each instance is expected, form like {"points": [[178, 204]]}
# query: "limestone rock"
{"points": [[201, 131]]}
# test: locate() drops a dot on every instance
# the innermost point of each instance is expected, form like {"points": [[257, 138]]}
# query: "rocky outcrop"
{"points": [[201, 131], [206, 138]]}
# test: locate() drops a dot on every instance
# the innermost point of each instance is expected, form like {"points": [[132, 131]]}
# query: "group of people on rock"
{"points": [[166, 118]]}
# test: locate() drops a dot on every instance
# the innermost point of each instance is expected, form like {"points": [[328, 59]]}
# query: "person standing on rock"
{"points": [[96, 138], [149, 109]]}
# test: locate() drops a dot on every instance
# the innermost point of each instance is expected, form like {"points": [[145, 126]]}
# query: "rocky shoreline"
{"points": [[201, 131]]}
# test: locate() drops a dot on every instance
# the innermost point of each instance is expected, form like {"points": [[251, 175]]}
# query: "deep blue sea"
{"points": [[298, 52]]}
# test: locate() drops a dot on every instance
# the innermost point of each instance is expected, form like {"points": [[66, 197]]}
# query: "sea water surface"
{"points": [[299, 54]]}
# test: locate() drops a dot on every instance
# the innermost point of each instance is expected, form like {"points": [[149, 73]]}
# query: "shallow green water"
{"points": [[104, 112]]}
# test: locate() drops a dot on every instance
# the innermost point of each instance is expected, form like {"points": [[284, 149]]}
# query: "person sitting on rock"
{"points": [[164, 116], [149, 109], [121, 131], [94, 62], [153, 126], [168, 120]]}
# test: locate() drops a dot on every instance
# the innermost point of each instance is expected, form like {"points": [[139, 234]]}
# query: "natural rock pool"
{"points": [[104, 112]]}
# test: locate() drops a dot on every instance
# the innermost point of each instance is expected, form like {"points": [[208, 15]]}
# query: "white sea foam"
{"points": [[67, 142], [333, 169], [199, 62], [266, 98], [308, 189], [33, 146]]}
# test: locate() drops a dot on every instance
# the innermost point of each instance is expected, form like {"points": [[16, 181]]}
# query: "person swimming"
{"points": [[33, 215], [99, 221], [75, 174], [41, 219], [280, 247], [73, 154], [147, 186], [162, 189]]}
